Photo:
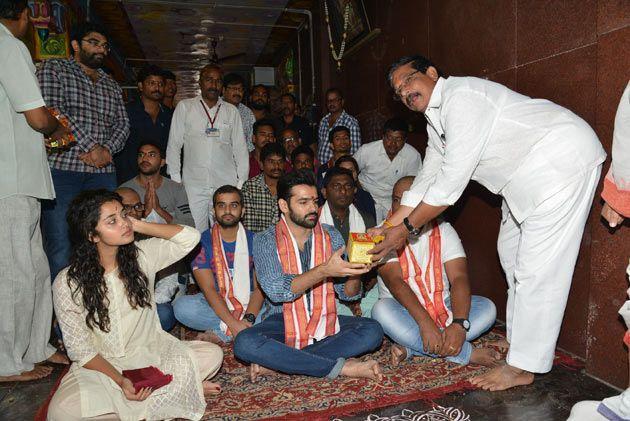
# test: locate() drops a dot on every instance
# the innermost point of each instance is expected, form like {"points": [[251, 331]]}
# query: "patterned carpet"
{"points": [[299, 397]]}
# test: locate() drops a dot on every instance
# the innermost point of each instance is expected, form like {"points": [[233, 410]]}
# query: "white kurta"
{"points": [[545, 162], [209, 162], [378, 174], [135, 340]]}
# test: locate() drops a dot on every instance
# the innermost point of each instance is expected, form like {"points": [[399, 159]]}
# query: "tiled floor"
{"points": [[549, 398]]}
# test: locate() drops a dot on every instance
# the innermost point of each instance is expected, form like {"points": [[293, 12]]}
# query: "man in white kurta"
{"points": [[383, 162], [542, 159], [215, 151]]}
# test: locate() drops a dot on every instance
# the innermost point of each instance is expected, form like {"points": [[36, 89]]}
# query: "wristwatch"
{"points": [[249, 317], [412, 231], [465, 323]]}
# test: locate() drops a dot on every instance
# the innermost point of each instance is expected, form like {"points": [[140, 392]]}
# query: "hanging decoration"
{"points": [[338, 56]]}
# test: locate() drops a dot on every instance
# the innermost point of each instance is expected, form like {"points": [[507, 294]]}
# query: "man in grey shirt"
{"points": [[164, 199]]}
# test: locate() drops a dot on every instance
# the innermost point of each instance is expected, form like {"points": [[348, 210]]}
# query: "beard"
{"points": [[93, 61], [259, 105], [303, 221], [225, 224]]}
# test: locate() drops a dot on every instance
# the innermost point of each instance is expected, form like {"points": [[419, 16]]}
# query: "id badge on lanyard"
{"points": [[211, 131]]}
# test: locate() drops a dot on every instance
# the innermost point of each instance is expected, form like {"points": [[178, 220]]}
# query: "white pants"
{"points": [[200, 202], [538, 257]]}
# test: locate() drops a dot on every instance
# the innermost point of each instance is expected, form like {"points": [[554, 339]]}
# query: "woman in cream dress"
{"points": [[105, 306]]}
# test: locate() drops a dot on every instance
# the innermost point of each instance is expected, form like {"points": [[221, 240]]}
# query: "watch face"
{"points": [[466, 324]]}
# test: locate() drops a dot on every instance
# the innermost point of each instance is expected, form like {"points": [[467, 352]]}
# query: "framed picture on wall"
{"points": [[358, 24], [50, 29]]}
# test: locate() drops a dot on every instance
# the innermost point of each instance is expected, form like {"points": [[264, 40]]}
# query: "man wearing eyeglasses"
{"points": [[545, 163], [92, 102], [233, 92]]}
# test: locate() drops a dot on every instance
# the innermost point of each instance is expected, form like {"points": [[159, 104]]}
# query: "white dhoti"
{"points": [[200, 202], [538, 257]]}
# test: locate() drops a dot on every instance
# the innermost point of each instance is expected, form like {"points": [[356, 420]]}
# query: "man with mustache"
{"points": [[149, 121], [300, 268], [290, 120], [82, 92], [211, 132], [541, 158], [260, 192], [259, 102], [233, 92], [337, 116]]}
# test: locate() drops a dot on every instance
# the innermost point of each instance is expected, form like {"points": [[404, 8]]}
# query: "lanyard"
{"points": [[211, 120]]}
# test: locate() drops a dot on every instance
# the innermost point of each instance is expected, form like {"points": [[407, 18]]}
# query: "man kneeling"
{"points": [[300, 267], [432, 312]]}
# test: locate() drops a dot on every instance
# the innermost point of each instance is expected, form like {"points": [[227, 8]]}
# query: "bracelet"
{"points": [[388, 224]]}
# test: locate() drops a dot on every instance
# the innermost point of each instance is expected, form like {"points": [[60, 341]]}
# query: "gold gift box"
{"points": [[359, 244]]}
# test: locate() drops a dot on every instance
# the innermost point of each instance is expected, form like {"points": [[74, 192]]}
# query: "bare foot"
{"points": [[256, 371], [210, 389], [502, 344], [397, 354], [362, 369], [503, 377], [485, 356], [58, 358], [209, 336], [39, 372]]}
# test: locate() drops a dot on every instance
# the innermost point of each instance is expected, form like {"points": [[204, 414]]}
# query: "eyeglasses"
{"points": [[96, 44], [289, 139], [235, 88], [139, 207], [404, 84], [339, 186]]}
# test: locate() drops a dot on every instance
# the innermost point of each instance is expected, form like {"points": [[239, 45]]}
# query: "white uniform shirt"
{"points": [[23, 163], [209, 161], [620, 168], [524, 149], [378, 174], [451, 249]]}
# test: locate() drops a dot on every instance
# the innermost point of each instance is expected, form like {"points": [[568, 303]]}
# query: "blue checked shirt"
{"points": [[274, 282], [324, 153], [95, 110]]}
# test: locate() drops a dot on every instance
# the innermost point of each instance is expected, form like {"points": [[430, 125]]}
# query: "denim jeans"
{"points": [[167, 318], [263, 344], [403, 329], [67, 185], [193, 311]]}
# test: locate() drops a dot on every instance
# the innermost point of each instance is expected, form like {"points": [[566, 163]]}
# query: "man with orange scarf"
{"points": [[424, 303], [300, 268]]}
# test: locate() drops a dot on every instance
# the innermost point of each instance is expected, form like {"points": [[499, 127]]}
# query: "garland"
{"points": [[338, 56]]}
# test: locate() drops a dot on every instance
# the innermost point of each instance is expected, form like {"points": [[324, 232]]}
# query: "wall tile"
{"points": [[612, 14], [548, 27], [473, 37], [505, 77], [567, 79]]}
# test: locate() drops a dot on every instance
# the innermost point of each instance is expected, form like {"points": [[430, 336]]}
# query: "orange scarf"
{"points": [[430, 290], [300, 326], [224, 279]]}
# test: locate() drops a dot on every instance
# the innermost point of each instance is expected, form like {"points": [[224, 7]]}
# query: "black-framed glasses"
{"points": [[404, 84], [138, 207], [97, 44], [289, 139]]}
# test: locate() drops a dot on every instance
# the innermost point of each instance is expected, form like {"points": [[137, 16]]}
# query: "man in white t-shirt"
{"points": [[26, 300], [383, 162], [425, 305]]}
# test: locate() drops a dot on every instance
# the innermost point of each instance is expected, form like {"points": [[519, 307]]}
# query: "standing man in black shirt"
{"points": [[290, 120]]}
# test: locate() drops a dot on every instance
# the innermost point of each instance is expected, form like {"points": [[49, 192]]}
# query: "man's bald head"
{"points": [[401, 186], [131, 201]]}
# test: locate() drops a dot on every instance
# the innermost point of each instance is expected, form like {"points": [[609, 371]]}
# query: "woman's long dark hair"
{"points": [[85, 274]]}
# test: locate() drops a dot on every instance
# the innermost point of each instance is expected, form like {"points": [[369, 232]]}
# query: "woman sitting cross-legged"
{"points": [[105, 307]]}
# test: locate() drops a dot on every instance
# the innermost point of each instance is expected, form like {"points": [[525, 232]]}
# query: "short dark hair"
{"points": [[292, 179], [396, 124], [168, 75], [80, 31], [337, 129], [226, 189], [262, 122], [417, 61], [211, 66], [334, 90], [260, 85], [272, 148], [336, 171], [302, 149], [12, 9], [233, 79], [348, 158], [288, 95], [150, 70], [154, 144]]}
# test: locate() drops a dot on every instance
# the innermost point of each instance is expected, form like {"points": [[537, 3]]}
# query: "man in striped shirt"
{"points": [[336, 116], [92, 102]]}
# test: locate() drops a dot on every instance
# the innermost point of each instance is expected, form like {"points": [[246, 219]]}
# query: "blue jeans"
{"points": [[167, 318], [403, 329], [67, 185], [193, 311], [263, 344]]}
